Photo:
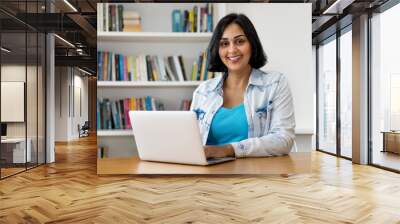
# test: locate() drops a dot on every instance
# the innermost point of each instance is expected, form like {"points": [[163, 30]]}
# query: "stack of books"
{"points": [[131, 22], [118, 67], [197, 19], [113, 17], [115, 114]]}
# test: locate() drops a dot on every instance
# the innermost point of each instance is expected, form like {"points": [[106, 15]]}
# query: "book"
{"points": [[120, 21], [162, 69], [178, 68], [173, 68], [171, 75], [182, 65], [176, 20]]}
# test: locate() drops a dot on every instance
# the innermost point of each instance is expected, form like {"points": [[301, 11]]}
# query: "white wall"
{"points": [[68, 83], [61, 103], [285, 33], [80, 83]]}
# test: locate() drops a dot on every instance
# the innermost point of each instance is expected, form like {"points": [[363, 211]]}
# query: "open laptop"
{"points": [[170, 136]]}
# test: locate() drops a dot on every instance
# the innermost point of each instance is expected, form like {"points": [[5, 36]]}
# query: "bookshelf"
{"points": [[173, 37], [155, 38]]}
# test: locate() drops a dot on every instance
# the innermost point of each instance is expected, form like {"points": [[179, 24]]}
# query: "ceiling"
{"points": [[79, 27]]}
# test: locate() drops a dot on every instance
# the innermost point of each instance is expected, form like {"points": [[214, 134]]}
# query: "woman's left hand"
{"points": [[213, 151]]}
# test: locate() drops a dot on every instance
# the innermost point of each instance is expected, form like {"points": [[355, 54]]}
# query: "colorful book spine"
{"points": [[196, 19]]}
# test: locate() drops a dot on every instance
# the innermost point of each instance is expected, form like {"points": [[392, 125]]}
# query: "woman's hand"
{"points": [[213, 151]]}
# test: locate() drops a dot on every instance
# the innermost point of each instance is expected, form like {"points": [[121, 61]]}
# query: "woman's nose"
{"points": [[232, 48]]}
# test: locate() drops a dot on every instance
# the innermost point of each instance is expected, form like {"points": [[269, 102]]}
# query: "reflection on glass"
{"points": [[327, 96], [22, 89], [386, 86], [346, 94], [13, 85]]}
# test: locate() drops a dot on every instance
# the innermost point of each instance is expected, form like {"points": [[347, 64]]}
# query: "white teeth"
{"points": [[236, 58]]}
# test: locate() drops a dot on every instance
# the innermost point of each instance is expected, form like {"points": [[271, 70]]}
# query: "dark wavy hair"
{"points": [[258, 57]]}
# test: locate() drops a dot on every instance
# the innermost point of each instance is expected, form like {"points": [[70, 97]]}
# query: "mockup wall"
{"points": [[285, 33]]}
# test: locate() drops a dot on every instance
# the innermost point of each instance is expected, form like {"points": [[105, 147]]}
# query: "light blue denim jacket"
{"points": [[269, 110]]}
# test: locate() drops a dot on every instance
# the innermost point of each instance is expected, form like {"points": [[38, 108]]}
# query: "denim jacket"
{"points": [[269, 110]]}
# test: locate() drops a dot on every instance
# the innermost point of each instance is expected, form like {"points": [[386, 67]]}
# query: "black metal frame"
{"points": [[340, 31], [338, 98], [36, 164]]}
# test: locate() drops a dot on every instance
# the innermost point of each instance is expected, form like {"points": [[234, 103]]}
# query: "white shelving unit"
{"points": [[156, 39], [153, 36], [103, 84], [110, 133]]}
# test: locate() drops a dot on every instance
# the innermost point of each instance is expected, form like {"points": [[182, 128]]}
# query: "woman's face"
{"points": [[234, 48]]}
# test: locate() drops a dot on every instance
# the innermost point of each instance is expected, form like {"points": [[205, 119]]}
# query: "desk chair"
{"points": [[84, 130]]}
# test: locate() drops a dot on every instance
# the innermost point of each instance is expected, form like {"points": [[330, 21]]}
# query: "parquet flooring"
{"points": [[387, 159], [69, 191]]}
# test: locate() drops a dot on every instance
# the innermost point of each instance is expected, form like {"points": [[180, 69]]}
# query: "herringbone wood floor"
{"points": [[69, 191]]}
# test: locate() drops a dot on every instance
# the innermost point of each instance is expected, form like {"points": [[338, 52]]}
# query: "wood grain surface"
{"points": [[70, 191]]}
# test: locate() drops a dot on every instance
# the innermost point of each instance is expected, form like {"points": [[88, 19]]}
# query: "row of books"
{"points": [[118, 67], [115, 114], [114, 17], [197, 19]]}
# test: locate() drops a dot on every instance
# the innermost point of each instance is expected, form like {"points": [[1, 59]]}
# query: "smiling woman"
{"points": [[245, 112]]}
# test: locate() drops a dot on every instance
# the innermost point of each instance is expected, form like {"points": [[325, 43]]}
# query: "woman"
{"points": [[245, 112]]}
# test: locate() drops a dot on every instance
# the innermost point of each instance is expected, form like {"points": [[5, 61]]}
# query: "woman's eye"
{"points": [[240, 41], [223, 44]]}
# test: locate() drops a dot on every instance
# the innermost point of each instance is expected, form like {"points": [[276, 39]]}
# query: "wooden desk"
{"points": [[293, 163], [14, 148], [391, 141]]}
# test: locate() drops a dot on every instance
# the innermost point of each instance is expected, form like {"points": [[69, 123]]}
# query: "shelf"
{"points": [[147, 84], [130, 133], [303, 131], [154, 36], [127, 132]]}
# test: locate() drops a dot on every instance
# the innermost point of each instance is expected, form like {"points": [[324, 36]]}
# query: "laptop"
{"points": [[170, 136]]}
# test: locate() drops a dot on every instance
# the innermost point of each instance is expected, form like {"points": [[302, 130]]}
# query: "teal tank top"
{"points": [[228, 125]]}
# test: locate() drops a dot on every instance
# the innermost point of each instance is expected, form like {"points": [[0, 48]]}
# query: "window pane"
{"points": [[386, 88], [327, 96], [13, 148], [345, 94]]}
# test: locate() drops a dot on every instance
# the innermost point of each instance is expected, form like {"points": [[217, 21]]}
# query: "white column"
{"points": [[360, 90], [50, 101]]}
